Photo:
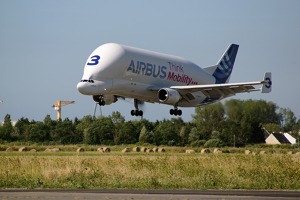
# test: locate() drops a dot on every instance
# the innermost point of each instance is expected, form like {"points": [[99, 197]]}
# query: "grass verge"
{"points": [[145, 171]]}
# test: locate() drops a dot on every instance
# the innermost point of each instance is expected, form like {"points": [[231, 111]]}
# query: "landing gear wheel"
{"points": [[175, 112], [136, 113], [141, 113], [171, 111], [179, 112], [132, 113]]}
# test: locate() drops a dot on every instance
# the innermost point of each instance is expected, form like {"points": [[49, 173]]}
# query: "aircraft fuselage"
{"points": [[114, 69]]}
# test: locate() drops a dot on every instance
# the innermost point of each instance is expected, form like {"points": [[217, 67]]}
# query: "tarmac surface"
{"points": [[87, 194]]}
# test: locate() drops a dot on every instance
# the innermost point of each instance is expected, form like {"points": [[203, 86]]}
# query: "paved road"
{"points": [[145, 194]]}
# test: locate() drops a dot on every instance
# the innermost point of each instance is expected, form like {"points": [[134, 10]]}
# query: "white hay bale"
{"points": [[217, 151], [22, 149], [161, 150], [144, 149], [290, 152], [247, 152], [106, 149], [136, 149], [55, 150], [52, 150], [149, 151], [190, 151], [298, 153], [155, 149], [80, 150], [103, 149], [204, 151], [33, 150], [126, 150], [9, 149], [262, 152]]}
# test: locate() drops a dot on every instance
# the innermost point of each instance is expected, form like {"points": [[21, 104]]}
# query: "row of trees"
{"points": [[234, 122]]}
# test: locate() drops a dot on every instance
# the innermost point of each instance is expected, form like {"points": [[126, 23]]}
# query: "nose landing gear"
{"points": [[99, 99]]}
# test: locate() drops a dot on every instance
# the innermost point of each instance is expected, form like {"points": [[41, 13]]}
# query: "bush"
{"points": [[295, 145], [198, 143], [213, 143]]}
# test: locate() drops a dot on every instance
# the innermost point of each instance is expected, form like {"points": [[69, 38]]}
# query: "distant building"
{"points": [[291, 139], [278, 138]]}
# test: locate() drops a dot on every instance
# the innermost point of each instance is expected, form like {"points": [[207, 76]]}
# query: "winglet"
{"points": [[267, 83]]}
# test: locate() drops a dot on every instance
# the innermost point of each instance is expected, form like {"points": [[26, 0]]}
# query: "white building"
{"points": [[277, 138], [291, 139]]}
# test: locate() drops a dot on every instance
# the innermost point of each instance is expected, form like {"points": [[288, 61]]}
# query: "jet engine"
{"points": [[105, 99], [168, 95]]}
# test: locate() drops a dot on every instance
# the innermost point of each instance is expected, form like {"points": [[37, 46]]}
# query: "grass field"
{"points": [[171, 170]]}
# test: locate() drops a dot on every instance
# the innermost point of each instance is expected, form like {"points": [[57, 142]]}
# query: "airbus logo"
{"points": [[147, 69]]}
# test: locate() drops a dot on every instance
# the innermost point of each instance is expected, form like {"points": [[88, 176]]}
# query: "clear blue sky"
{"points": [[44, 46]]}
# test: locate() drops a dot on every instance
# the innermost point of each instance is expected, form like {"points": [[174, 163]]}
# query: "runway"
{"points": [[87, 194]]}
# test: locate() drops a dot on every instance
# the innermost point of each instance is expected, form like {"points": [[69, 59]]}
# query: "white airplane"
{"points": [[115, 71]]}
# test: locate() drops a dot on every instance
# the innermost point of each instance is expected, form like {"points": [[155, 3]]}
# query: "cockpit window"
{"points": [[85, 80]]}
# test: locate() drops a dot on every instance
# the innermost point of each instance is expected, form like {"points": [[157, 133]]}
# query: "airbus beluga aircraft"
{"points": [[115, 71]]}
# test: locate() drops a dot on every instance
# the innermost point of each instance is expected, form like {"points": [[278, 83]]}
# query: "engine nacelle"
{"points": [[168, 95], [105, 99]]}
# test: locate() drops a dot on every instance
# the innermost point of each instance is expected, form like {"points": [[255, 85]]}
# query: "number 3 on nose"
{"points": [[94, 60]]}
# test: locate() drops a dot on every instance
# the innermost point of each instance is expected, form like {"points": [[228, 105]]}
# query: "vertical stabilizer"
{"points": [[267, 86], [222, 70]]}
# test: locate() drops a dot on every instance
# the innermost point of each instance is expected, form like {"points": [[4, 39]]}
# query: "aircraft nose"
{"points": [[80, 87], [85, 87], [92, 87]]}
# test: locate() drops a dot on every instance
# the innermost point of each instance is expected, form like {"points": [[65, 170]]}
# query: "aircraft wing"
{"points": [[226, 89]]}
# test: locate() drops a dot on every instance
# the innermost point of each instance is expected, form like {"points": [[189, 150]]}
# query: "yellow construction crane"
{"points": [[57, 106]]}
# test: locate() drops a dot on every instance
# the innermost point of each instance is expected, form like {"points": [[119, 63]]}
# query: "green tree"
{"points": [[117, 118], [37, 132], [234, 110], [139, 124], [118, 121], [183, 135], [128, 134], [100, 131], [209, 118], [146, 136], [256, 113], [231, 134], [296, 130], [213, 143], [246, 118], [165, 134], [272, 127], [64, 132], [20, 128], [287, 118], [85, 122], [6, 130]]}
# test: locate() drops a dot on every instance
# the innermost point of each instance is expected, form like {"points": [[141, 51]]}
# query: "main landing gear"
{"points": [[137, 111], [175, 111]]}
